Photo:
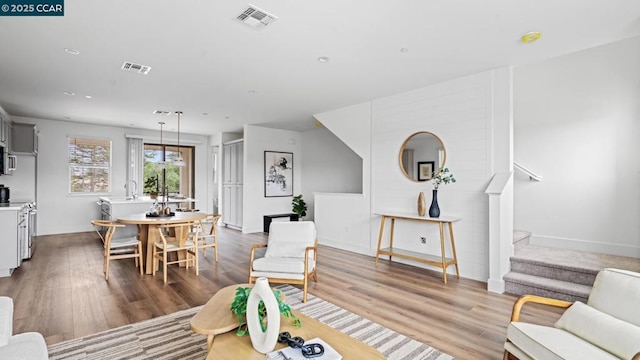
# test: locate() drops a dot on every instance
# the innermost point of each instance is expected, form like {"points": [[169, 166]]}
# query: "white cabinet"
{"points": [[9, 251], [232, 154], [5, 131], [24, 138]]}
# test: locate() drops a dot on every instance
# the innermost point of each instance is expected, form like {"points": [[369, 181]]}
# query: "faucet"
{"points": [[134, 193]]}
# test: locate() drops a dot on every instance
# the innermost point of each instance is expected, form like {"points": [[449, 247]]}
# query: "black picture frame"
{"points": [[425, 170], [278, 174]]}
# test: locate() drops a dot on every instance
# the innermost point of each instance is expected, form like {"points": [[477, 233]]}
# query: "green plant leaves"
{"points": [[239, 308]]}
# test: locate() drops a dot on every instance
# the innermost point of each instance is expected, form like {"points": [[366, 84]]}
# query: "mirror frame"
{"points": [[404, 144]]}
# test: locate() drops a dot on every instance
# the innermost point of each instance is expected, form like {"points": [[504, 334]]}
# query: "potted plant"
{"points": [[151, 186], [299, 206], [239, 308]]}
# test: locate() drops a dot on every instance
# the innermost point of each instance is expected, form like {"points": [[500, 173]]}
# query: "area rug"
{"points": [[170, 336]]}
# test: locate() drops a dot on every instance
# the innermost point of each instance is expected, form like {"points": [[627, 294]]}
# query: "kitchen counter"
{"points": [[142, 200]]}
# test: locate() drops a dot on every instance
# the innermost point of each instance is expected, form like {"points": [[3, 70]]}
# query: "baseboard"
{"points": [[585, 245], [347, 247], [496, 286]]}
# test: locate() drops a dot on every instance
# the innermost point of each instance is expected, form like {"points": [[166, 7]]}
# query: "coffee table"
{"points": [[217, 322]]}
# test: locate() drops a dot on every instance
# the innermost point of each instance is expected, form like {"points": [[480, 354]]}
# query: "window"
{"points": [[179, 180], [89, 166]]}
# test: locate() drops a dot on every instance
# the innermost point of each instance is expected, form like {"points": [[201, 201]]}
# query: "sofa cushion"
{"points": [[611, 334], [25, 346], [290, 239], [282, 265], [543, 342], [617, 293]]}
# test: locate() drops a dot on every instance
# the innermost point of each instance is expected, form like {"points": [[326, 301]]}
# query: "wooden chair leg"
{"points": [[304, 294], [195, 255], [215, 250], [106, 264], [139, 258], [164, 265]]}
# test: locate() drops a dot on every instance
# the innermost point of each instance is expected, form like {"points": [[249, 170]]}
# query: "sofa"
{"points": [[606, 327], [26, 346]]}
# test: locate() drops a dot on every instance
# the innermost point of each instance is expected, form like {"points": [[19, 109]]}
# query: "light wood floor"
{"points": [[62, 294]]}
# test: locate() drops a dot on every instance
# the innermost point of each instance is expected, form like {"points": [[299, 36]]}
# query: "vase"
{"points": [[434, 209], [422, 205], [263, 341]]}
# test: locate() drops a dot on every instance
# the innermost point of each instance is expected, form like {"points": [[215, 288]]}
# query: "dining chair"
{"points": [[115, 249], [291, 256], [184, 241], [209, 239]]}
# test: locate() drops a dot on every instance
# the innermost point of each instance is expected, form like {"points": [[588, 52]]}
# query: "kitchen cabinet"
{"points": [[24, 138], [10, 256], [232, 185], [5, 131]]}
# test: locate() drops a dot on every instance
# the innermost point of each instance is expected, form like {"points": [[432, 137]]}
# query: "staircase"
{"points": [[557, 273]]}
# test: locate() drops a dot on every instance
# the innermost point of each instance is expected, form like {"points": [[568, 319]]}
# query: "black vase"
{"points": [[434, 209]]}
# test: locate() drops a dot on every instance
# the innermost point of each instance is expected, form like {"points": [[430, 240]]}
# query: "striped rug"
{"points": [[170, 336]]}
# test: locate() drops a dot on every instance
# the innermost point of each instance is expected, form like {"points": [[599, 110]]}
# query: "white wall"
{"points": [[256, 140], [344, 220], [58, 211], [577, 123], [329, 166]]}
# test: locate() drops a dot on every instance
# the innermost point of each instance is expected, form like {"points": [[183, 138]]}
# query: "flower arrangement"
{"points": [[239, 308], [442, 177]]}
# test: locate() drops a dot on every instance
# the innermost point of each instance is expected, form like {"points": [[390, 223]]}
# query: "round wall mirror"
{"points": [[421, 155]]}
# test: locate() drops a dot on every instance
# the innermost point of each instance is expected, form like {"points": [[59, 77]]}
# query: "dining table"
{"points": [[149, 232]]}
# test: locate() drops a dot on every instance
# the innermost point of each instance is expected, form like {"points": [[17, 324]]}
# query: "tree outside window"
{"points": [[89, 165]]}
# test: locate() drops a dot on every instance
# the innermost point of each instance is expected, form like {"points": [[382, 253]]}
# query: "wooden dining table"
{"points": [[148, 231]]}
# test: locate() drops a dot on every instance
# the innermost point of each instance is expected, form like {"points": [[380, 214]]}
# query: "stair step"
{"points": [[520, 284], [583, 262], [520, 235]]}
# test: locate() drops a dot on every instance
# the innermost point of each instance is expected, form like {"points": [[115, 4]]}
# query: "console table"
{"points": [[266, 219], [439, 261]]}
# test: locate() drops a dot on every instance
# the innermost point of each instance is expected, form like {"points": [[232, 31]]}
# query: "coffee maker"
{"points": [[4, 194]]}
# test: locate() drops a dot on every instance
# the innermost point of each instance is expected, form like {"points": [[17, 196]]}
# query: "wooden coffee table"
{"points": [[217, 322]]}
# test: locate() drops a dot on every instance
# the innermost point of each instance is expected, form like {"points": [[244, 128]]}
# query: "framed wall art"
{"points": [[425, 170], [278, 174]]}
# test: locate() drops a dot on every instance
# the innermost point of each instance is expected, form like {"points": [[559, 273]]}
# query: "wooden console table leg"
{"points": [[393, 227], [453, 249], [443, 252], [209, 342], [382, 220]]}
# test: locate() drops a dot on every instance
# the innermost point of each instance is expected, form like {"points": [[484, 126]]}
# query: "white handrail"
{"points": [[532, 176]]}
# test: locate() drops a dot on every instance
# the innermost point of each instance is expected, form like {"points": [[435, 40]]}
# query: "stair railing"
{"points": [[532, 176]]}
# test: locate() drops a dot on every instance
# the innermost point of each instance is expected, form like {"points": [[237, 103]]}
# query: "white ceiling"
{"points": [[223, 74]]}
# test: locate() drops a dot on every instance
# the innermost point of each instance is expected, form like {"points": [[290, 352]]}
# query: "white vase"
{"points": [[263, 341]]}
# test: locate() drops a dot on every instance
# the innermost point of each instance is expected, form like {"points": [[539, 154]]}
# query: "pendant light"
{"points": [[178, 161], [161, 164]]}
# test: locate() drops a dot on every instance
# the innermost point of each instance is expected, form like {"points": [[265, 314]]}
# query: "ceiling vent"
{"points": [[141, 69], [256, 17], [162, 112]]}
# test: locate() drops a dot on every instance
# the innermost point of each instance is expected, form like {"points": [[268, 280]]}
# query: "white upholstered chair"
{"points": [[25, 346], [114, 248], [606, 327], [291, 255]]}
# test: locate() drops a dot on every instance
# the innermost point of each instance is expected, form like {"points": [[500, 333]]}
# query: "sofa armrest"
{"points": [[6, 319], [25, 346], [517, 306]]}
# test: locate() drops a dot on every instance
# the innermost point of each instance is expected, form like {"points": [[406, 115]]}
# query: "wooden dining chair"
{"points": [[184, 240], [115, 249], [209, 239]]}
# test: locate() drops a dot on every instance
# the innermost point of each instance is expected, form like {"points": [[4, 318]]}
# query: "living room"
{"points": [[572, 115]]}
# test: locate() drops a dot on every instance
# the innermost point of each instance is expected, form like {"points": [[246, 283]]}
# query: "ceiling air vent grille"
{"points": [[141, 69], [256, 17]]}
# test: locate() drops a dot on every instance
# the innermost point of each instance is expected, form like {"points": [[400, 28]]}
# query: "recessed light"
{"points": [[205, 114], [88, 97], [72, 51], [530, 37], [323, 59], [69, 93], [252, 91], [227, 117], [67, 117], [404, 50]]}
